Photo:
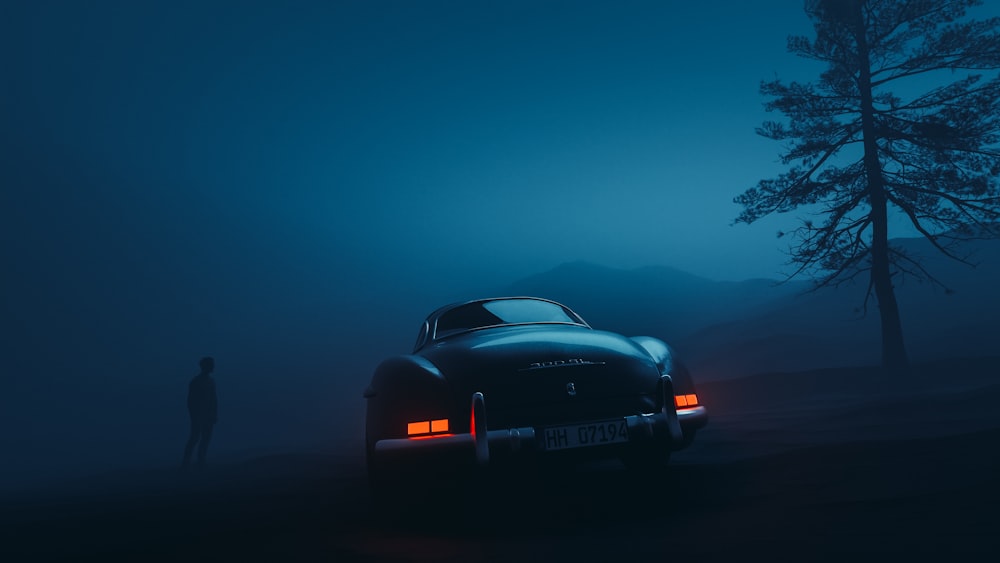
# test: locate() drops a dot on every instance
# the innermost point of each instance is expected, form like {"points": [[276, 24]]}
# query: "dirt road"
{"points": [[815, 467]]}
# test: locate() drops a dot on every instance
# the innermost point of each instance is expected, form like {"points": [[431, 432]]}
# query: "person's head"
{"points": [[207, 364]]}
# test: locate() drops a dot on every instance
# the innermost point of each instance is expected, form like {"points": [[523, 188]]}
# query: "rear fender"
{"points": [[404, 389], [667, 362]]}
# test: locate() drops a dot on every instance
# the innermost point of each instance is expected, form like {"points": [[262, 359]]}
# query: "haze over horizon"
{"points": [[434, 139], [503, 138]]}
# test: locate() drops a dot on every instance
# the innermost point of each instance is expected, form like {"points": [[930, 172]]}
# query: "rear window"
{"points": [[500, 312]]}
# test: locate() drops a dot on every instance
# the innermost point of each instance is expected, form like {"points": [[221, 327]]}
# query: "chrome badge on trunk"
{"points": [[561, 364]]}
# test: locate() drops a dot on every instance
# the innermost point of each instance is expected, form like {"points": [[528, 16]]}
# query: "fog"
{"points": [[291, 189]]}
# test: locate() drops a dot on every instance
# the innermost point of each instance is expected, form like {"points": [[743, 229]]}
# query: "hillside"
{"points": [[655, 300], [728, 329]]}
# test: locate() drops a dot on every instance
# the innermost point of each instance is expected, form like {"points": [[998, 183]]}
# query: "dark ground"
{"points": [[830, 465]]}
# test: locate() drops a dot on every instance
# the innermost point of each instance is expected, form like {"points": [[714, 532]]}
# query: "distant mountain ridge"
{"points": [[650, 299], [728, 329]]}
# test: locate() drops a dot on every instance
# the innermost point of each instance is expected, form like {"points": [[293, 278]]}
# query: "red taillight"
{"points": [[428, 428], [682, 401]]}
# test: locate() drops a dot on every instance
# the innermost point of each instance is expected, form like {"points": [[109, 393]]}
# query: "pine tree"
{"points": [[857, 151]]}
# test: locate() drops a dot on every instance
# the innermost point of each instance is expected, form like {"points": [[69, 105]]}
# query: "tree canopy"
{"points": [[905, 119]]}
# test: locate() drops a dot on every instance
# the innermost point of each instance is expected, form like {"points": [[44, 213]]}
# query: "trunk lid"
{"points": [[547, 374]]}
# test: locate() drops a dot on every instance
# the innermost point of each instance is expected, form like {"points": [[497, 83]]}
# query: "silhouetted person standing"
{"points": [[203, 407]]}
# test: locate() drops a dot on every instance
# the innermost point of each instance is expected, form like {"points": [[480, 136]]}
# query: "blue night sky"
{"points": [[500, 137], [400, 138], [248, 179]]}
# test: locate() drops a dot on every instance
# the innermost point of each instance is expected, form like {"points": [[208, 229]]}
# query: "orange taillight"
{"points": [[686, 400], [425, 427]]}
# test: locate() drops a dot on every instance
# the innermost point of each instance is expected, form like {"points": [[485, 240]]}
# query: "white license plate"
{"points": [[583, 435]]}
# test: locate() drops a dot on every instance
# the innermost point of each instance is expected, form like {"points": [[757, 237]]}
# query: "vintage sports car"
{"points": [[494, 379]]}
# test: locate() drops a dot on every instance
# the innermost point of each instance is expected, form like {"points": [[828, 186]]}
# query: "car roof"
{"points": [[428, 326], [442, 310]]}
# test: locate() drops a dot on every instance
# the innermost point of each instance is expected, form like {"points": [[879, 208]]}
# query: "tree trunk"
{"points": [[894, 359]]}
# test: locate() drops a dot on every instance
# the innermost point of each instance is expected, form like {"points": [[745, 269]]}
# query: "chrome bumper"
{"points": [[668, 426]]}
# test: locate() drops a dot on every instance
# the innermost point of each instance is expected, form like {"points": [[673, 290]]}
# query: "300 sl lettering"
{"points": [[562, 363]]}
